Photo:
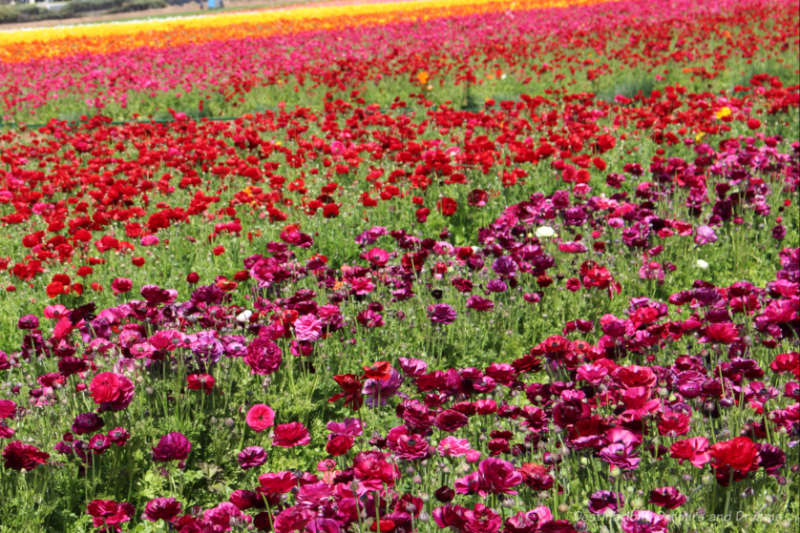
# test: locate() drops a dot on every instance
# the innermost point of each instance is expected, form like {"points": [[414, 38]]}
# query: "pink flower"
{"points": [[307, 328], [260, 417], [498, 476]]}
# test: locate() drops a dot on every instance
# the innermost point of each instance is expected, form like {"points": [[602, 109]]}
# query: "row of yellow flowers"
{"points": [[25, 45]]}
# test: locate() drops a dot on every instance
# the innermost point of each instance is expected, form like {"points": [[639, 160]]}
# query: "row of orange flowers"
{"points": [[26, 45]]}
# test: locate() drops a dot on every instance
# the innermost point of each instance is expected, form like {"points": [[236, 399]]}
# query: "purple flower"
{"points": [[172, 446], [86, 423], [441, 314], [504, 266], [28, 322], [251, 457], [602, 500], [375, 389], [705, 235], [496, 285]]}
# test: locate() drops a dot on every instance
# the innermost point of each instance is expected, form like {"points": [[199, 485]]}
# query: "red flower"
{"points": [[105, 387], [382, 370], [351, 391], [291, 435], [277, 483], [722, 332], [447, 206], [204, 382], [694, 450], [740, 454], [109, 513], [111, 391], [20, 456], [339, 445]]}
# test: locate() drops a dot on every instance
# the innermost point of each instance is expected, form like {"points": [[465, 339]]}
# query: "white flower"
{"points": [[702, 264], [244, 316], [545, 232]]}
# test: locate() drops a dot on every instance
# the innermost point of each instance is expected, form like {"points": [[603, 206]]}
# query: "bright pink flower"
{"points": [[260, 417]]}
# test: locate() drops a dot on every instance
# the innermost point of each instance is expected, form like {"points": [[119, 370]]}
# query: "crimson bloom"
{"points": [[110, 513], [111, 391], [291, 435], [277, 483], [740, 454], [20, 456], [162, 509]]}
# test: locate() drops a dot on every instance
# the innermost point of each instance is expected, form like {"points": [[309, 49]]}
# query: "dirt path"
{"points": [[189, 8]]}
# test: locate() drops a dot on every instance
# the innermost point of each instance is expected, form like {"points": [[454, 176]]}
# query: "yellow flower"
{"points": [[724, 112], [699, 136]]}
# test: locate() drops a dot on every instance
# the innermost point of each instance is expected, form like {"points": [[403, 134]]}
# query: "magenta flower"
{"points": [[162, 509], [441, 314], [643, 521], [263, 356], [260, 417], [172, 446], [251, 457], [498, 476]]}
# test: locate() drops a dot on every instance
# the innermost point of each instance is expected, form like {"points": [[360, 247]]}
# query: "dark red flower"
{"points": [[20, 456]]}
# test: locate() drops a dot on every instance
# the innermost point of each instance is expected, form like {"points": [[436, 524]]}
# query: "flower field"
{"points": [[478, 266]]}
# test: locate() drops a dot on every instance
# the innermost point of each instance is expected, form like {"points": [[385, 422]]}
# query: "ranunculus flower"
{"points": [[441, 314], [307, 328], [498, 476], [251, 457], [263, 356], [694, 450], [705, 235], [277, 483], [260, 417], [172, 446], [20, 456], [667, 497], [603, 500], [162, 509], [111, 391], [291, 435], [121, 285], [740, 454]]}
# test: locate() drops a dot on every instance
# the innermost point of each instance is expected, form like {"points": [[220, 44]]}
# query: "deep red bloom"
{"points": [[172, 446], [20, 456], [447, 206], [204, 382], [291, 435], [351, 391], [162, 509]]}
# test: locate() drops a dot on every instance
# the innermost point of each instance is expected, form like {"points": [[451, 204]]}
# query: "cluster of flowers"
{"points": [[232, 55], [623, 415]]}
